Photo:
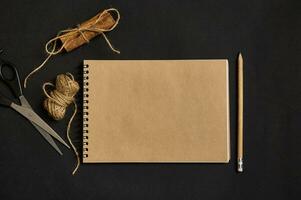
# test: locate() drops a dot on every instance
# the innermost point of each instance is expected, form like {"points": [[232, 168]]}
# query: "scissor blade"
{"points": [[32, 116], [46, 136]]}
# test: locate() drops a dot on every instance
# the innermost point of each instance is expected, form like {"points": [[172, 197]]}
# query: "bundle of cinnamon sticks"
{"points": [[73, 40]]}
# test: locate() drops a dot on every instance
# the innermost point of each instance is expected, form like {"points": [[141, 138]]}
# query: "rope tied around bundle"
{"points": [[74, 37]]}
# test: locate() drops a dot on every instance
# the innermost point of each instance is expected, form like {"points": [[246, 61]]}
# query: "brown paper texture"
{"points": [[158, 111]]}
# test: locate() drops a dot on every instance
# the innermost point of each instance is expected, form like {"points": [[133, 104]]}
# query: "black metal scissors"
{"points": [[13, 82]]}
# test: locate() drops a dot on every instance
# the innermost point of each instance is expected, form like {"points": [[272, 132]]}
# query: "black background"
{"points": [[268, 34]]}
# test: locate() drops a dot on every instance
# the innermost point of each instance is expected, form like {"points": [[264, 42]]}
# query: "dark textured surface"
{"points": [[267, 32]]}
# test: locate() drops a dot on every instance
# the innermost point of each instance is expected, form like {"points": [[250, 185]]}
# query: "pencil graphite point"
{"points": [[240, 56]]}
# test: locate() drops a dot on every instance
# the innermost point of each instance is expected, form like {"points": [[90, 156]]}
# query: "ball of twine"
{"points": [[59, 99]]}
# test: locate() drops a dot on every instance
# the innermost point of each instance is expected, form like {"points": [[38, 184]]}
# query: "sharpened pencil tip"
{"points": [[240, 59]]}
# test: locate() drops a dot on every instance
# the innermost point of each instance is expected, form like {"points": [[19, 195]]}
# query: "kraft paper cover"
{"points": [[157, 111]]}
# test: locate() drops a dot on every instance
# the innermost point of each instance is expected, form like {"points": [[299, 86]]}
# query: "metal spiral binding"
{"points": [[85, 110]]}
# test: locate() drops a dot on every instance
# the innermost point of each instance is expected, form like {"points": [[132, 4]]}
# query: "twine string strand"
{"points": [[57, 102], [51, 46]]}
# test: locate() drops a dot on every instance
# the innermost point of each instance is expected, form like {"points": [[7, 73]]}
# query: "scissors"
{"points": [[12, 81]]}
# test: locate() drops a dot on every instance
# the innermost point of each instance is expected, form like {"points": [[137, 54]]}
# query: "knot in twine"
{"points": [[51, 46], [59, 99]]}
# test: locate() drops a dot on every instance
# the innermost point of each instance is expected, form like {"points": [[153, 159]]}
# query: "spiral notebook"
{"points": [[156, 111]]}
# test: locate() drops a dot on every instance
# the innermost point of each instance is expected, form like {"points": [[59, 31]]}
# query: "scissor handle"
{"points": [[12, 80]]}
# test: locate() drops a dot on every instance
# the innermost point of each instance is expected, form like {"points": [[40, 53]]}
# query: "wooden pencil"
{"points": [[240, 115]]}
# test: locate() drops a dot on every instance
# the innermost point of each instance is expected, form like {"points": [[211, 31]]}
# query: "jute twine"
{"points": [[59, 99], [52, 48]]}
